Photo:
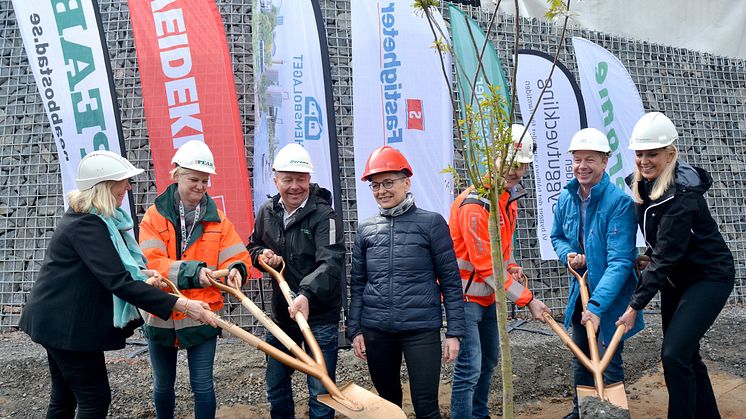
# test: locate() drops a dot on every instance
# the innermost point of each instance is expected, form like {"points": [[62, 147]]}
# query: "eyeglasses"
{"points": [[387, 184]]}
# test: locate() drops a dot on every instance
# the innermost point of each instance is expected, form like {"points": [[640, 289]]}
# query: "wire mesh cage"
{"points": [[703, 94]]}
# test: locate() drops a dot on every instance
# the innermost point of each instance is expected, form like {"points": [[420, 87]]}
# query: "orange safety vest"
{"points": [[468, 223], [218, 246]]}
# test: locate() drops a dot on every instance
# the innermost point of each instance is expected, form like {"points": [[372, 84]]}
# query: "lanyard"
{"points": [[184, 237]]}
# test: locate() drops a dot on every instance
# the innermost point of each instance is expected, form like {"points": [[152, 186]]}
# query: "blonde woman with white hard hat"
{"points": [[80, 305], [186, 237], [686, 259]]}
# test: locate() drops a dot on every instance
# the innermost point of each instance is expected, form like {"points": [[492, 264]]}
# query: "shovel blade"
{"points": [[616, 395], [362, 404], [613, 393]]}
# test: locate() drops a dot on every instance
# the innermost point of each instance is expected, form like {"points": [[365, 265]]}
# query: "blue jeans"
{"points": [[614, 373], [476, 361], [201, 359], [278, 376]]}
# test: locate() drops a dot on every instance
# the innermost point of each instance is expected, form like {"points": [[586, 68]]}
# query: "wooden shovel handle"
{"points": [[174, 289], [252, 340], [299, 318], [307, 365], [260, 315], [584, 294], [567, 340], [611, 349]]}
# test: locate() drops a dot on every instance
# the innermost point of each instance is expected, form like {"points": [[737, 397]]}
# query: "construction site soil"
{"points": [[541, 371]]}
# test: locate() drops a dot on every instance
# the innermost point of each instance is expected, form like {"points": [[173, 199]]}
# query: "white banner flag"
{"points": [[612, 104], [401, 100], [67, 55], [560, 116], [290, 93]]}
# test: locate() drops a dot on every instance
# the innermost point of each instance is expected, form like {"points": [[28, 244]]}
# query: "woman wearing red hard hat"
{"points": [[402, 261]]}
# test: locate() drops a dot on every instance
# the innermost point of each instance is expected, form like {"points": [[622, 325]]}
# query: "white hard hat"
{"points": [[293, 158], [589, 139], [195, 155], [653, 130], [102, 165], [524, 152]]}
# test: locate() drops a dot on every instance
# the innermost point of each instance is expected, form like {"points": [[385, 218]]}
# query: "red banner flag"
{"points": [[415, 118], [189, 94]]}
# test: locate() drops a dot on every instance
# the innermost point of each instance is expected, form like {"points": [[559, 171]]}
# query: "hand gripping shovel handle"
{"points": [[599, 365], [252, 340], [260, 315], [299, 318], [302, 361]]}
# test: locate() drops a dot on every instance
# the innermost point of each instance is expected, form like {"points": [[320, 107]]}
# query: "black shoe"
{"points": [[572, 415]]}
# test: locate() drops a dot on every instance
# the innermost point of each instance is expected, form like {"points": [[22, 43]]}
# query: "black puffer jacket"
{"points": [[395, 264], [313, 248], [683, 240]]}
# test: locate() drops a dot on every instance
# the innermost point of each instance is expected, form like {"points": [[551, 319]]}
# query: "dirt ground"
{"points": [[542, 375]]}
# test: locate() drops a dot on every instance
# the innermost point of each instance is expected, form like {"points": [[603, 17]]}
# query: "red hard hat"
{"points": [[386, 159]]}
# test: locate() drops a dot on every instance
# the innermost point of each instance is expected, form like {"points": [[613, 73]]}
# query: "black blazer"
{"points": [[71, 303]]}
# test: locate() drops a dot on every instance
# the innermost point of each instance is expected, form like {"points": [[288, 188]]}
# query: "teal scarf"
{"points": [[132, 258]]}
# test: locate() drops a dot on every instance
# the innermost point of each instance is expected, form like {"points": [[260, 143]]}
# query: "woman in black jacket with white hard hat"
{"points": [[80, 305], [686, 259]]}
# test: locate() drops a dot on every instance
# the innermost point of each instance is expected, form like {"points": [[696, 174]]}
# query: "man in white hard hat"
{"points": [[594, 230], [299, 225], [468, 223]]}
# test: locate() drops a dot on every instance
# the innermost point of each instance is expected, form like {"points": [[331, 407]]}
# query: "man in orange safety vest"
{"points": [[468, 223]]}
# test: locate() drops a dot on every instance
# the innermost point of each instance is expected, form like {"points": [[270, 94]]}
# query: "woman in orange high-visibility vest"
{"points": [[185, 237]]}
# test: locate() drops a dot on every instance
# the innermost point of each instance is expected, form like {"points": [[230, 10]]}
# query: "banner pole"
{"points": [[117, 114], [331, 123]]}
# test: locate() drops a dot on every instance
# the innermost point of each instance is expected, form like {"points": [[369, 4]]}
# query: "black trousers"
{"points": [[687, 313], [78, 380], [421, 351]]}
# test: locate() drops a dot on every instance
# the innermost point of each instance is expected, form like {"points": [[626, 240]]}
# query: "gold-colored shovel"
{"points": [[613, 393], [350, 400]]}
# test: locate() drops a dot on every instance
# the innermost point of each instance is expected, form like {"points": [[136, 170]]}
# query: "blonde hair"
{"points": [[178, 171], [99, 197], [662, 182]]}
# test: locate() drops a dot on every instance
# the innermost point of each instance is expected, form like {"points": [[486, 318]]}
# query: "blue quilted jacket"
{"points": [[400, 267]]}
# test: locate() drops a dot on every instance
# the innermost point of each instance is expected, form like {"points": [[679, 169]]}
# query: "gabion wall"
{"points": [[703, 94]]}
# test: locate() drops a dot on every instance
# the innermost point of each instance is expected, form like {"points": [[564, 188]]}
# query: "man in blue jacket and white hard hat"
{"points": [[594, 230]]}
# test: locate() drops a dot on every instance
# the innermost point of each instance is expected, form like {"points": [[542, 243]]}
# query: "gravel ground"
{"points": [[541, 371]]}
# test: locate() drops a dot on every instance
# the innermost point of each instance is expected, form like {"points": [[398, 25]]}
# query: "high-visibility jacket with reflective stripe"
{"points": [[469, 220], [214, 244]]}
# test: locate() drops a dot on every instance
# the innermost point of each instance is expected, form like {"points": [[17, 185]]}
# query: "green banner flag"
{"points": [[466, 47]]}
